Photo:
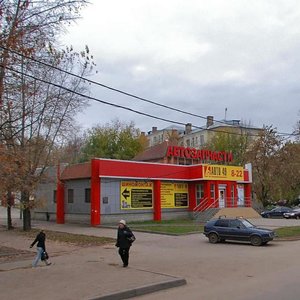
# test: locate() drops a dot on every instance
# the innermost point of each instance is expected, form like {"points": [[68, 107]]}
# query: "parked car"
{"points": [[238, 229], [276, 212], [294, 214]]}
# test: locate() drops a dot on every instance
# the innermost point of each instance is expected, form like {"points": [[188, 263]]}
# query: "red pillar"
{"points": [[247, 191], [60, 201], [95, 193], [157, 200], [207, 192], [228, 194], [192, 195]]}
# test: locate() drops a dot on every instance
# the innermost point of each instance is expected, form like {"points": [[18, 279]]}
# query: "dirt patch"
{"points": [[8, 254]]}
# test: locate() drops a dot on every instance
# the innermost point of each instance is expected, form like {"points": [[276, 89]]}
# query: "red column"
{"points": [[216, 193], [247, 195], [234, 187], [192, 195], [228, 194], [207, 191], [157, 200], [60, 202], [95, 193]]}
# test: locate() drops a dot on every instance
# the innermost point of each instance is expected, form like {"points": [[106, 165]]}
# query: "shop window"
{"points": [[199, 193], [212, 191], [70, 196], [54, 196], [87, 195]]}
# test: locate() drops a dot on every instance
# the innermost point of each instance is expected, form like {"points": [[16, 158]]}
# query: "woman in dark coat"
{"points": [[40, 247], [123, 242]]}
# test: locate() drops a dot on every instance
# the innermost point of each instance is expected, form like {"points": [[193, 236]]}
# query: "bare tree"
{"points": [[263, 155], [37, 102]]}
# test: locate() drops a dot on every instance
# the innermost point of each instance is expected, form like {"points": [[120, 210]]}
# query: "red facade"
{"points": [[202, 192]]}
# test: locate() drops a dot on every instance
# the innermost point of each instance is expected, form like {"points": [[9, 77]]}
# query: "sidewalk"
{"points": [[76, 272]]}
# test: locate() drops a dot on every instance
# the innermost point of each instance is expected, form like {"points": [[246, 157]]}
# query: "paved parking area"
{"points": [[223, 271]]}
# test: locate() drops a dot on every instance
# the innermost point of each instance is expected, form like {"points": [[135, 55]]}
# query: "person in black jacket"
{"points": [[123, 242], [40, 247]]}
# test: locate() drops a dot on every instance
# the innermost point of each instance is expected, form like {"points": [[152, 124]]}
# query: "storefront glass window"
{"points": [[199, 193], [70, 196], [212, 191]]}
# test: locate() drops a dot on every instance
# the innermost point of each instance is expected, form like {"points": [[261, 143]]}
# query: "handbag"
{"points": [[44, 256], [131, 239]]}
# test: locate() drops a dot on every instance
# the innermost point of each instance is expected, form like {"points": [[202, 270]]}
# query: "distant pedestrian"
{"points": [[125, 239], [41, 248]]}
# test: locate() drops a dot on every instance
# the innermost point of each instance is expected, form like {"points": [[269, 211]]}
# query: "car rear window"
{"points": [[222, 223]]}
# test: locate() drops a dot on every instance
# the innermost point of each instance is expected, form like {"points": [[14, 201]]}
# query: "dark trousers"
{"points": [[124, 253]]}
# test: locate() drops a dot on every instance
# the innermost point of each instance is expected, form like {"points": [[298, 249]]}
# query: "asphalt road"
{"points": [[235, 271], [226, 271]]}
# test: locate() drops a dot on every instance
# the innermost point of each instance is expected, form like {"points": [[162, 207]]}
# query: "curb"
{"points": [[143, 290]]}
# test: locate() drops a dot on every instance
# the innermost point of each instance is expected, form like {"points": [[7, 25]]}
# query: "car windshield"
{"points": [[247, 224]]}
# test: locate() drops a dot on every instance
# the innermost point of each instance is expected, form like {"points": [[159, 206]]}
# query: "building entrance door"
{"points": [[241, 195], [222, 197]]}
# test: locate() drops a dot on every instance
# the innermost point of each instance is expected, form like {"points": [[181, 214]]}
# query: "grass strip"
{"points": [[288, 232], [70, 238]]}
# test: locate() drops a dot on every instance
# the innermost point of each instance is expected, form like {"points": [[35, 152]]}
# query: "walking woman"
{"points": [[40, 247], [125, 239]]}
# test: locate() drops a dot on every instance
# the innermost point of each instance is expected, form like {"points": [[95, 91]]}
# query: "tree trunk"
{"points": [[9, 204], [26, 211], [26, 219]]}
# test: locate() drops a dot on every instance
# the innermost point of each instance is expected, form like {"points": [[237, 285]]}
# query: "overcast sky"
{"points": [[198, 56]]}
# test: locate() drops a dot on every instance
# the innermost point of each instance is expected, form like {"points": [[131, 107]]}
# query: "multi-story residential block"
{"points": [[200, 136]]}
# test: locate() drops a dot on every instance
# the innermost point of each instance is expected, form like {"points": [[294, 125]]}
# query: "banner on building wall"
{"points": [[136, 194], [174, 195], [220, 172]]}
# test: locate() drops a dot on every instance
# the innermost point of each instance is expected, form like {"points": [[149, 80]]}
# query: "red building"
{"points": [[104, 190]]}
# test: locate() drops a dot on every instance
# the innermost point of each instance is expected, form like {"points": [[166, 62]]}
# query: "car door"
{"points": [[238, 231], [276, 212]]}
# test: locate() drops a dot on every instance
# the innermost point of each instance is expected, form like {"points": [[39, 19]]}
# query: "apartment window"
{"points": [[193, 142], [70, 196], [196, 140], [87, 196], [188, 143], [54, 196], [201, 140]]}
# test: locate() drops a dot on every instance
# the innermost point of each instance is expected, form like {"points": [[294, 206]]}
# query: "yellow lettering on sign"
{"points": [[215, 172]]}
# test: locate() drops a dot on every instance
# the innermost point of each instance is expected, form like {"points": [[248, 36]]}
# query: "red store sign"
{"points": [[201, 154]]}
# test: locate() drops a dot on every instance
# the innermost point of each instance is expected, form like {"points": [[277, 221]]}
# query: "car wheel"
{"points": [[256, 240], [213, 238]]}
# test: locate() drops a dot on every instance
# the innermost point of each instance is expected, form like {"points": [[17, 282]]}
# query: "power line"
{"points": [[119, 106], [117, 90], [130, 95]]}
